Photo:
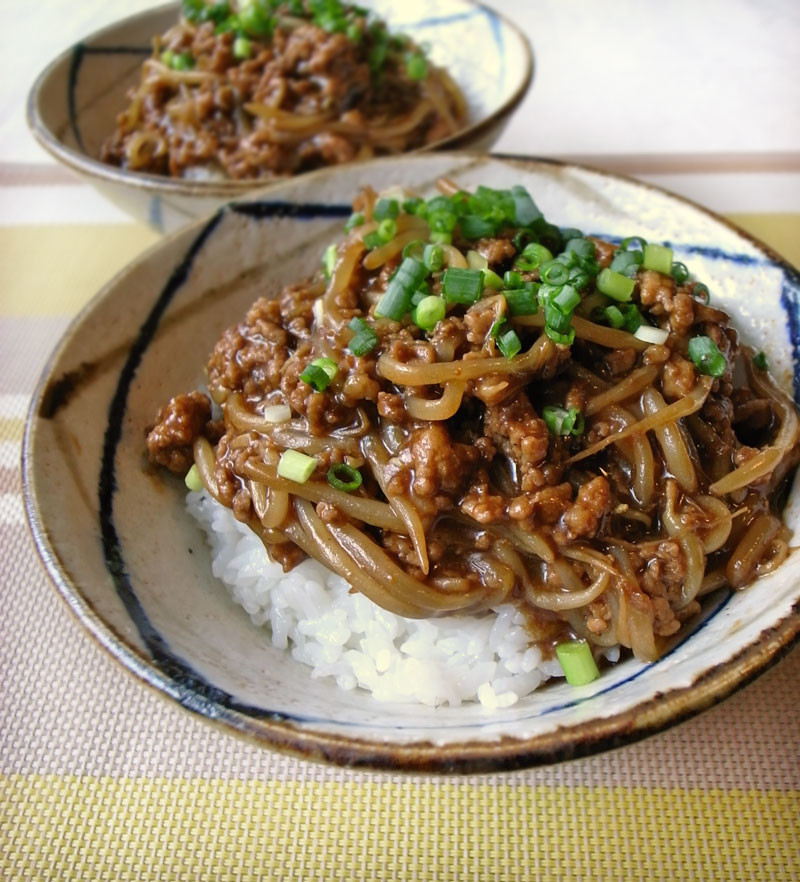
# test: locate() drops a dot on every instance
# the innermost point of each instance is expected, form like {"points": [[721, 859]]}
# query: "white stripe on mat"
{"points": [[14, 406], [11, 510], [10, 452]]}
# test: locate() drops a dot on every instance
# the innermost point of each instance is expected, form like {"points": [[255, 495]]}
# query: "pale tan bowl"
{"points": [[134, 567], [73, 104]]}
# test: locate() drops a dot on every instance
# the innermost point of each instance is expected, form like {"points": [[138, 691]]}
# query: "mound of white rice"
{"points": [[486, 658]]}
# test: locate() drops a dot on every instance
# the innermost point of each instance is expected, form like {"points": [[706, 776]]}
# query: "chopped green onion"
{"points": [[242, 48], [626, 262], [582, 248], [568, 233], [706, 356], [649, 334], [475, 260], [554, 273], [577, 662], [254, 20], [495, 328], [416, 67], [385, 208], [637, 241], [415, 205], [373, 240], [525, 210], [344, 477], [414, 249], [440, 238], [701, 290], [509, 344], [614, 317], [632, 316], [760, 361], [658, 258], [566, 300], [533, 255], [462, 285], [167, 57], [329, 260], [356, 219], [473, 226], [615, 285], [354, 33], [512, 279], [492, 280], [433, 257], [319, 373], [396, 300], [364, 339], [387, 229], [193, 480], [184, 61], [555, 319], [429, 311], [442, 221], [522, 301], [679, 272], [557, 337], [561, 421], [296, 466]]}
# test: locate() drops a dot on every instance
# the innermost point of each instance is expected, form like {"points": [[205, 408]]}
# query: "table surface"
{"points": [[100, 778]]}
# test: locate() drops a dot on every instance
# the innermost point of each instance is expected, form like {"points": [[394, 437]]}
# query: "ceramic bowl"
{"points": [[72, 106], [134, 567]]}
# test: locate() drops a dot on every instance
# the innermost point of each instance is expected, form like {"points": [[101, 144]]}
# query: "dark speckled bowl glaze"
{"points": [[72, 106], [134, 567]]}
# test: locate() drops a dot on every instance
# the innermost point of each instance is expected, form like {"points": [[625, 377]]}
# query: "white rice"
{"points": [[487, 658]]}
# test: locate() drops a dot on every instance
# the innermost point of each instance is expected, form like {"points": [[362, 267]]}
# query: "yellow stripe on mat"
{"points": [[41, 264], [56, 827]]}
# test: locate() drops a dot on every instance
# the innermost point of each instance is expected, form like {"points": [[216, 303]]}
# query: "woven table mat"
{"points": [[103, 779]]}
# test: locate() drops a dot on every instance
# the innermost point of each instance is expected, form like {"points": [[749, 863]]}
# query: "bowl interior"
{"points": [[74, 104], [134, 567]]}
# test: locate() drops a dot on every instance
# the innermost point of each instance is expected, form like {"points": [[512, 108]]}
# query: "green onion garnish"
{"points": [[565, 339], [701, 290], [626, 262], [440, 238], [760, 361], [319, 373], [387, 229], [184, 61], [639, 244], [706, 356], [329, 260], [533, 256], [491, 280], [563, 422], [525, 210], [577, 662], [429, 311], [614, 317], [522, 301], [193, 480], [364, 339], [658, 258], [462, 285], [509, 344], [296, 466], [355, 220], [566, 300], [344, 477], [416, 67], [679, 272], [581, 248], [433, 257], [512, 279], [254, 20], [553, 273], [615, 285], [242, 48], [473, 226], [568, 233], [396, 300], [385, 208], [414, 249], [555, 319], [373, 240]]}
